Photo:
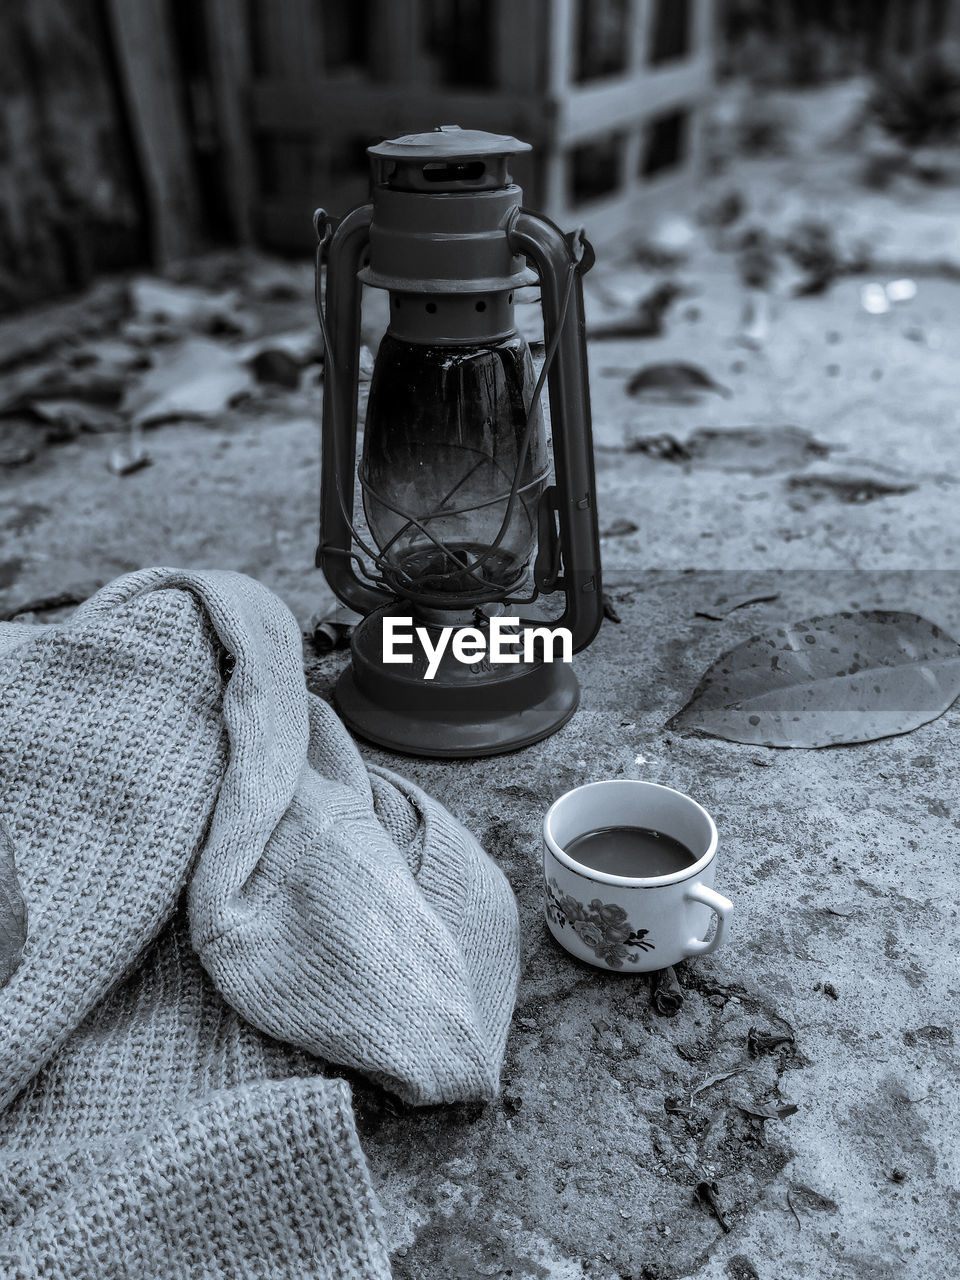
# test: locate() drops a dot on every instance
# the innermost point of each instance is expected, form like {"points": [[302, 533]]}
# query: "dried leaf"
{"points": [[770, 1110], [674, 380], [14, 453], [59, 380], [647, 318], [303, 346], [273, 281], [188, 307], [707, 1194], [123, 462], [276, 368], [13, 911], [610, 609], [717, 1079], [196, 378], [618, 528], [146, 334], [27, 335], [665, 447], [851, 488], [665, 994], [76, 415], [674, 1107], [757, 260], [727, 604], [278, 358], [723, 210], [131, 455], [839, 678], [760, 1042], [713, 1129], [756, 450], [109, 353], [813, 1201], [813, 246], [330, 631]]}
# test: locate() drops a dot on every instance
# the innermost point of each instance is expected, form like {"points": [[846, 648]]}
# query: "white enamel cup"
{"points": [[616, 922]]}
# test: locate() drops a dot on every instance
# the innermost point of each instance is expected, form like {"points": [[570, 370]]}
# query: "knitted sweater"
{"points": [[220, 895]]}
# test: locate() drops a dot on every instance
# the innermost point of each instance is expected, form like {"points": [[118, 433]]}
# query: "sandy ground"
{"points": [[828, 477]]}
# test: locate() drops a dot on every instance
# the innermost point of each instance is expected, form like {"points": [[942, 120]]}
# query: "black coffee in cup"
{"points": [[637, 852]]}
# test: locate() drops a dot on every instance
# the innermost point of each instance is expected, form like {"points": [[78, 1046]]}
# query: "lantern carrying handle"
{"points": [[346, 247], [552, 254]]}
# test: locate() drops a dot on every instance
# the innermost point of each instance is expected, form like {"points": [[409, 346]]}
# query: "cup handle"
{"points": [[723, 908]]}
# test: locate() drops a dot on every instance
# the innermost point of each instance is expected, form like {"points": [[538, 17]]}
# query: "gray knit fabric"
{"points": [[161, 748]]}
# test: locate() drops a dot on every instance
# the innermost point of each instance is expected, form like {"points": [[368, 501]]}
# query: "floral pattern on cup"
{"points": [[602, 927]]}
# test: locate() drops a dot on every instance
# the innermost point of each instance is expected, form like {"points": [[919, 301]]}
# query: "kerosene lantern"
{"points": [[463, 519]]}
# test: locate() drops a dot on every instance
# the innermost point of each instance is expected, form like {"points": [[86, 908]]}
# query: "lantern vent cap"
{"points": [[448, 142]]}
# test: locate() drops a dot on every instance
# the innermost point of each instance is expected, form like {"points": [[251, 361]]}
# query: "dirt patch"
{"points": [[455, 1247], [634, 1110], [892, 1133]]}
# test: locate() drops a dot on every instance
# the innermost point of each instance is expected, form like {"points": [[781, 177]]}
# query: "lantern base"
{"points": [[464, 711]]}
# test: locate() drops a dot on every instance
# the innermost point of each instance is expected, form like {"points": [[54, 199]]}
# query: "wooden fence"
{"points": [[138, 129], [609, 92], [71, 203]]}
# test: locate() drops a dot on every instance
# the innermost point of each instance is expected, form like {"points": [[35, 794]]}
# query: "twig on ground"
{"points": [[794, 1212]]}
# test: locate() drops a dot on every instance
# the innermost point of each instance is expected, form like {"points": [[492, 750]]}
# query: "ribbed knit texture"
{"points": [[161, 747]]}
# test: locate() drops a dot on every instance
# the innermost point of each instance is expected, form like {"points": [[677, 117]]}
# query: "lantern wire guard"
{"points": [[390, 572], [453, 408]]}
